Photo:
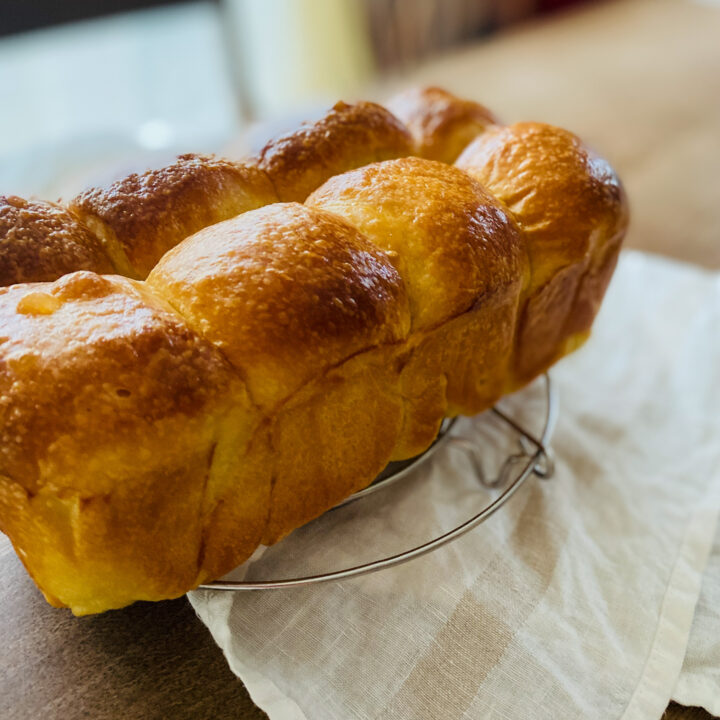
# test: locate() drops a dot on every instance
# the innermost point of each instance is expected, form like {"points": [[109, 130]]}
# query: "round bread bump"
{"points": [[42, 241], [464, 264], [141, 217], [573, 211], [119, 447], [451, 241], [285, 292], [566, 198], [309, 312], [441, 124], [349, 136]]}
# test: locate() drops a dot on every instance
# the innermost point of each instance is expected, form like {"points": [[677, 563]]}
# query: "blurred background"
{"points": [[94, 90], [122, 83]]}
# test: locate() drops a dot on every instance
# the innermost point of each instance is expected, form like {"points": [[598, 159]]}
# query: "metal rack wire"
{"points": [[534, 458]]}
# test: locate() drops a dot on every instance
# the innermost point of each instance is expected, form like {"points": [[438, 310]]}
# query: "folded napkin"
{"points": [[574, 601]]}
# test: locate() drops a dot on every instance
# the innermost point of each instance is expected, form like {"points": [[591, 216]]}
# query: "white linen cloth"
{"points": [[574, 601], [699, 681]]}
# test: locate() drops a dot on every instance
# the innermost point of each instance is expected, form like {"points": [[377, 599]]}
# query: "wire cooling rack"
{"points": [[534, 458]]}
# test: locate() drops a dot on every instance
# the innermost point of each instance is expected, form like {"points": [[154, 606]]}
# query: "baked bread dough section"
{"points": [[306, 317]]}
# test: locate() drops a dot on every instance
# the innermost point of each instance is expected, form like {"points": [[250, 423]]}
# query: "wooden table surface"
{"points": [[641, 81]]}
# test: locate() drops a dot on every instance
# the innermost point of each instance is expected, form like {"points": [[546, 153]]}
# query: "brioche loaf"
{"points": [[305, 317]]}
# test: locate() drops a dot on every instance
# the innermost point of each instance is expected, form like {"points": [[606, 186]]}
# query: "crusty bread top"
{"points": [[452, 242], [348, 137], [92, 361], [441, 124], [285, 292], [562, 194], [153, 433], [142, 216], [41, 241]]}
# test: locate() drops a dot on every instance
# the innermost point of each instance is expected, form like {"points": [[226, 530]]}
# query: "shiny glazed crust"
{"points": [[153, 433], [116, 444], [282, 291], [141, 217], [453, 244], [572, 209], [349, 136], [441, 124], [40, 241]]}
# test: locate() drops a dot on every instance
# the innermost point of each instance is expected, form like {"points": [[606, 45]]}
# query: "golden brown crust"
{"points": [[309, 312], [349, 136], [561, 193], [152, 434], [41, 241], [451, 241], [573, 212], [464, 264], [157, 420], [286, 292], [143, 216], [317, 457], [131, 363], [441, 123]]}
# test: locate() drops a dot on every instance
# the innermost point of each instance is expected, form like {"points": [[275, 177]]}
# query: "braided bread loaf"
{"points": [[153, 433]]}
